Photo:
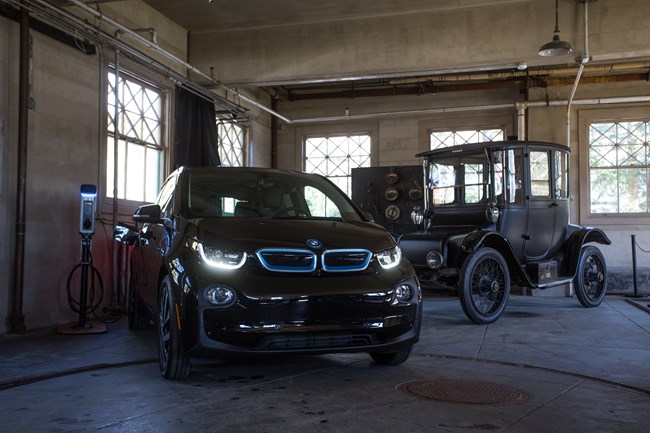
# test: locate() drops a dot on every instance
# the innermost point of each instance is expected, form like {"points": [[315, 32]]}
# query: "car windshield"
{"points": [[473, 178], [265, 194]]}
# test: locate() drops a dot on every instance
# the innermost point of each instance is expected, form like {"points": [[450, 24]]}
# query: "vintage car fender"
{"points": [[495, 240], [578, 237]]}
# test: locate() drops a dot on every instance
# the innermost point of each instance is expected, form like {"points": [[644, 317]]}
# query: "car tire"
{"points": [[484, 286], [392, 358], [591, 278], [173, 362], [138, 318]]}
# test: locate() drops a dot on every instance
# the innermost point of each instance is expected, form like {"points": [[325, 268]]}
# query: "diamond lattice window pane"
{"points": [[618, 161], [336, 156], [140, 144], [442, 139]]}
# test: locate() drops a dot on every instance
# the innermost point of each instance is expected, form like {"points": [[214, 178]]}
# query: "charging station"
{"points": [[85, 304]]}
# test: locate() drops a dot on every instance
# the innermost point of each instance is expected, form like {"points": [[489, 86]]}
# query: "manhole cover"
{"points": [[463, 391]]}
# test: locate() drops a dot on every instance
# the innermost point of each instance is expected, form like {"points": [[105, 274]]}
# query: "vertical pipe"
{"points": [[634, 264], [17, 318], [116, 112], [274, 134]]}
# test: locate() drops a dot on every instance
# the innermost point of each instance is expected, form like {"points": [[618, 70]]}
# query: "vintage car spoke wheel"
{"points": [[173, 362], [591, 278], [484, 286], [393, 358], [134, 308]]}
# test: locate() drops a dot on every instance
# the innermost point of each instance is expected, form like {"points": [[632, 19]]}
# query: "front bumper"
{"points": [[333, 316]]}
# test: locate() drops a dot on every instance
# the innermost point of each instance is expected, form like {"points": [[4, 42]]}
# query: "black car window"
{"points": [[165, 197], [540, 179], [265, 194], [561, 173]]}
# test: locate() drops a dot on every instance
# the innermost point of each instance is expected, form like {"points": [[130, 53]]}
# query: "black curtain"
{"points": [[195, 141]]}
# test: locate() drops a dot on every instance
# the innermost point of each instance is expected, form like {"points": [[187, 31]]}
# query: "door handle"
{"points": [[553, 205]]}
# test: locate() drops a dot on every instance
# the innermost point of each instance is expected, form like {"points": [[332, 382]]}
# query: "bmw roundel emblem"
{"points": [[314, 243]]}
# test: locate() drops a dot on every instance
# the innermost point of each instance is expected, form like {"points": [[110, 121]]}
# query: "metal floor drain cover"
{"points": [[463, 391]]}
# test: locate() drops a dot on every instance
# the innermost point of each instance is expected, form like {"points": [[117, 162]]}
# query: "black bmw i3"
{"points": [[251, 261]]}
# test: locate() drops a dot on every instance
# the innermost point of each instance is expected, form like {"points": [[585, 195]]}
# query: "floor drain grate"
{"points": [[463, 391]]}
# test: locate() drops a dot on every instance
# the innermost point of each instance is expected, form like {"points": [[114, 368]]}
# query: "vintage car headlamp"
{"points": [[220, 258], [435, 260], [389, 258], [417, 216], [219, 295]]}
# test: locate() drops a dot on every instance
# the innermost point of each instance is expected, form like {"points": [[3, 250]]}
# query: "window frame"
{"points": [[244, 145], [353, 129], [605, 115], [137, 72]]}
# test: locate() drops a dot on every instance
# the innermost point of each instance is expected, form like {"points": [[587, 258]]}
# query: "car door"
{"points": [[547, 202], [154, 240]]}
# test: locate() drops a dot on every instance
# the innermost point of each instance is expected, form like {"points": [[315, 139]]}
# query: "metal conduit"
{"points": [[17, 318], [366, 116], [175, 59]]}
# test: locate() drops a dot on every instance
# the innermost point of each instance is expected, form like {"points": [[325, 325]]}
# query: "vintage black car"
{"points": [[246, 261], [497, 214]]}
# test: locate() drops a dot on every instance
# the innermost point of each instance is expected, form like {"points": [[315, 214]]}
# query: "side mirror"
{"points": [[148, 213], [368, 216]]}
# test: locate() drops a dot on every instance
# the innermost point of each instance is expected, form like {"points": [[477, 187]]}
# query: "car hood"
{"points": [[252, 234]]}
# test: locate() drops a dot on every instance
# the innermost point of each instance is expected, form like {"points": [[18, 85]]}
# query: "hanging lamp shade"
{"points": [[556, 47]]}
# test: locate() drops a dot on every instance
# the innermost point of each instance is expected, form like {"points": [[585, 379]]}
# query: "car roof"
{"points": [[477, 147]]}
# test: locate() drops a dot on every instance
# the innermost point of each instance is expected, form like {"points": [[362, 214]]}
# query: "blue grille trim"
{"points": [[286, 255], [360, 257]]}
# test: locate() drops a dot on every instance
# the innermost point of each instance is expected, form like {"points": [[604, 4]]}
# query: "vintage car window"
{"points": [[561, 173], [474, 183], [540, 180], [442, 180], [508, 175]]}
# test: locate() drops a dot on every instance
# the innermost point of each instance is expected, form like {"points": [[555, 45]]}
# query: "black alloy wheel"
{"points": [[484, 286], [173, 362], [591, 278]]}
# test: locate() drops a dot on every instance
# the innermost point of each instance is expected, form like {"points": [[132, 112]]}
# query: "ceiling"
{"points": [[223, 15], [202, 16]]}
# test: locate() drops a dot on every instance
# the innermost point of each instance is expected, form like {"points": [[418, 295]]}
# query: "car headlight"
{"points": [[220, 295], [220, 258], [389, 258], [435, 260]]}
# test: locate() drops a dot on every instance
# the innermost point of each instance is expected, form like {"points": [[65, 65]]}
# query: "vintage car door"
{"points": [[547, 201]]}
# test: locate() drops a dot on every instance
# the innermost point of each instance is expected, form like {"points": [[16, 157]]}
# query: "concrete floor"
{"points": [[579, 370]]}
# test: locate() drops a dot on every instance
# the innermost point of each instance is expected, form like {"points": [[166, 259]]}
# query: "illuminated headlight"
{"points": [[219, 295], [403, 293], [218, 258], [389, 258], [435, 260]]}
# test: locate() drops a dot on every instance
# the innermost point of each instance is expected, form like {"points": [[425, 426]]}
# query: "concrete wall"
{"points": [[429, 40]]}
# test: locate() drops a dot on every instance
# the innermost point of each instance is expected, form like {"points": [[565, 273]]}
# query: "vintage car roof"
{"points": [[474, 147]]}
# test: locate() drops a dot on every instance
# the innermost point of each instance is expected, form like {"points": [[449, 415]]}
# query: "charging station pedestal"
{"points": [[86, 229]]}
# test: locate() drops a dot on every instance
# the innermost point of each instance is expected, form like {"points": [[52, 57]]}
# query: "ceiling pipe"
{"points": [[387, 114], [174, 58]]}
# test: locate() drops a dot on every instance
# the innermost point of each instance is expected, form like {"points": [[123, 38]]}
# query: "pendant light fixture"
{"points": [[556, 47]]}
